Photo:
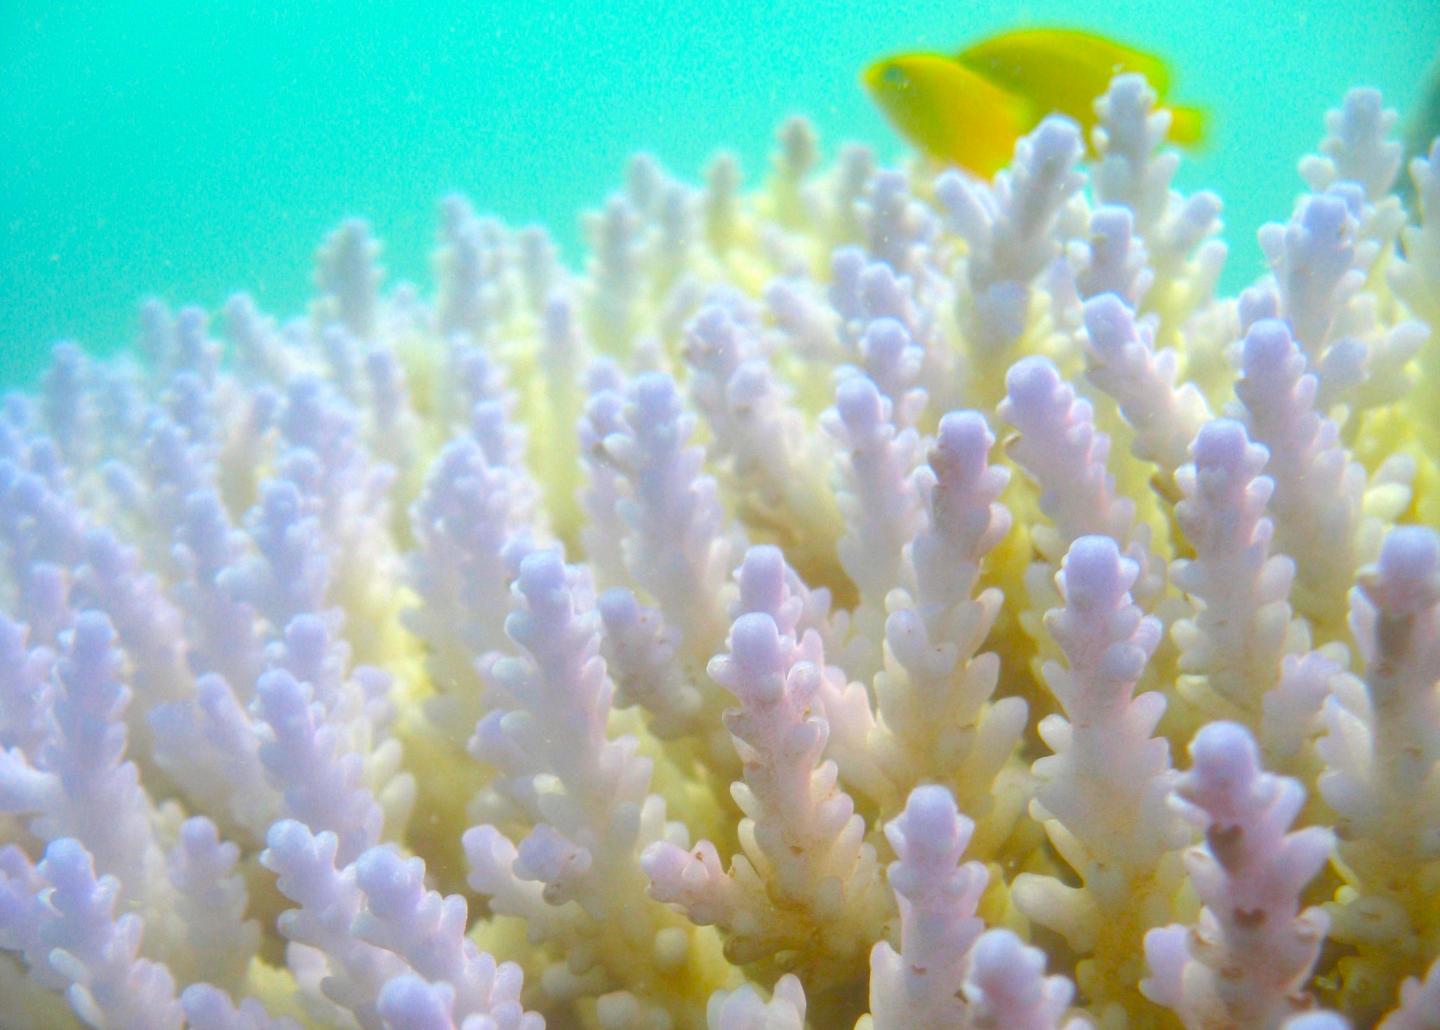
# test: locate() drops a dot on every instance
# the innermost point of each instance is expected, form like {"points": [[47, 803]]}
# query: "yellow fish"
{"points": [[969, 109]]}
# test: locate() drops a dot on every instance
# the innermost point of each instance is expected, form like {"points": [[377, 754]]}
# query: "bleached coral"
{"points": [[657, 645], [920, 986], [1101, 795], [1233, 645], [1382, 769], [1247, 961]]}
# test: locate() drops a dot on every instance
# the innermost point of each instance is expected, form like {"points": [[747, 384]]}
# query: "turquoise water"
{"points": [[148, 149]]}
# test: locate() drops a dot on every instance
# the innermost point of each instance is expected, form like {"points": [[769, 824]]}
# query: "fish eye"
{"points": [[894, 75]]}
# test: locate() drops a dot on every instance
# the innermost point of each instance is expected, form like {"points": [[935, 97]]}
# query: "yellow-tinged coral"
{"points": [[817, 595]]}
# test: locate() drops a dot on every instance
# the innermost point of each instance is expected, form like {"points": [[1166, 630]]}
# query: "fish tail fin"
{"points": [[1187, 125]]}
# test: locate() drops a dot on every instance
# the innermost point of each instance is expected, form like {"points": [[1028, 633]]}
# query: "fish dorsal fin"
{"points": [[1023, 58]]}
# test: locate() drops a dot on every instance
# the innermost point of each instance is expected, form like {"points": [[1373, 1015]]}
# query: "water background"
{"points": [[187, 150]]}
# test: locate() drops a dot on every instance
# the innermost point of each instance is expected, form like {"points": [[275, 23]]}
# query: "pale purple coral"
{"points": [[1313, 258], [256, 345], [1319, 490], [290, 573], [24, 915], [24, 688], [934, 696], [1066, 454], [1247, 960], [371, 924], [1102, 793], [308, 760], [78, 784], [581, 798], [1419, 1003], [428, 931], [548, 715], [393, 429], [745, 1009], [1357, 146], [234, 583], [921, 984], [1122, 361], [882, 510], [1133, 171], [1007, 986], [221, 628], [211, 746], [470, 538], [1381, 750], [472, 293], [409, 1002], [1114, 260], [112, 579], [1233, 644], [678, 544], [348, 278], [960, 489], [211, 900], [1011, 228], [1422, 241], [1106, 640], [97, 953], [894, 362], [642, 655], [1323, 262], [1136, 171], [44, 532], [770, 460], [209, 1008], [615, 273], [769, 586], [1061, 448], [309, 874], [604, 531], [803, 841], [896, 224]]}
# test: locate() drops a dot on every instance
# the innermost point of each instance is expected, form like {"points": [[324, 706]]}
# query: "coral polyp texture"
{"points": [[878, 597]]}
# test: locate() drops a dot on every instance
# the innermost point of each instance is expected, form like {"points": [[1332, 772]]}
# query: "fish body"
{"points": [[966, 108], [1063, 68], [949, 111]]}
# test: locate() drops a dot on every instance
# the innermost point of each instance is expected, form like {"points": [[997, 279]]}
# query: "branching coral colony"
{"points": [[803, 616]]}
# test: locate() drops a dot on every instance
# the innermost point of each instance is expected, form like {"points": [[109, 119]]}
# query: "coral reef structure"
{"points": [[880, 596]]}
